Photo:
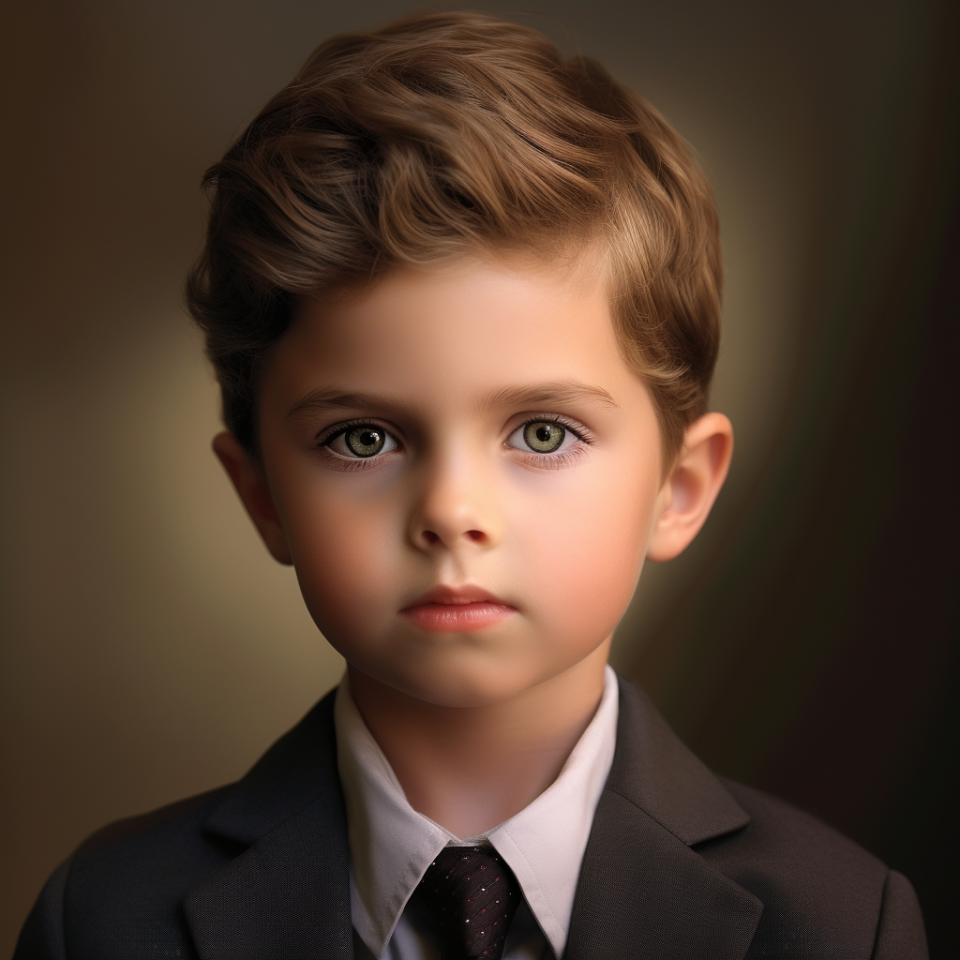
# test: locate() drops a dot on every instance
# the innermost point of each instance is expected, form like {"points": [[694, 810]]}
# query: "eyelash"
{"points": [[551, 461], [350, 463], [554, 461]]}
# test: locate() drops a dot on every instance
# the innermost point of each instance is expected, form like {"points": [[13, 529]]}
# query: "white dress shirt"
{"points": [[391, 845]]}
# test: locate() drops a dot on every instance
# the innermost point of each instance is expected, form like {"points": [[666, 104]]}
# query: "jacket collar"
{"points": [[643, 892]]}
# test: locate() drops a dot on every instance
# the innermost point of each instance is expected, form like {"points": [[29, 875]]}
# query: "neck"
{"points": [[471, 768]]}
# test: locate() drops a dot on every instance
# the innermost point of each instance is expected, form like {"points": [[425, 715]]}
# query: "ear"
{"points": [[693, 485], [251, 485]]}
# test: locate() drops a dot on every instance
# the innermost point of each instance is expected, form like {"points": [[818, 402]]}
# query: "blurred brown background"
{"points": [[150, 648]]}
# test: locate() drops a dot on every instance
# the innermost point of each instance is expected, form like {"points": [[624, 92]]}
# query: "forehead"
{"points": [[448, 332]]}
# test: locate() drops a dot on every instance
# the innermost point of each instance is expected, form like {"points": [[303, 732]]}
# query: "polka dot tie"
{"points": [[471, 895]]}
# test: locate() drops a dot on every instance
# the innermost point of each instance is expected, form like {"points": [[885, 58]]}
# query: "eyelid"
{"points": [[574, 426], [564, 456], [342, 426], [326, 436], [554, 460]]}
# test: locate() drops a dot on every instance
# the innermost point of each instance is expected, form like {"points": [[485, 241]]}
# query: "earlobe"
{"points": [[251, 485], [692, 487]]}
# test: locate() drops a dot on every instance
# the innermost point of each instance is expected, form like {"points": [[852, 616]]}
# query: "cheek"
{"points": [[343, 561], [588, 560]]}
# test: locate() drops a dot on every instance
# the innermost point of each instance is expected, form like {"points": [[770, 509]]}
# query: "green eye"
{"points": [[544, 436], [365, 441], [360, 441]]}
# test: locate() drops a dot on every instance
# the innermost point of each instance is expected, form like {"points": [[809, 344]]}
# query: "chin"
{"points": [[464, 688]]}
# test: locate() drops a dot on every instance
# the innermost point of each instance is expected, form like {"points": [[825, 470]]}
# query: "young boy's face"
{"points": [[465, 474]]}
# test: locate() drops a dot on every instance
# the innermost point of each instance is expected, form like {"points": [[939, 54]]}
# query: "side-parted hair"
{"points": [[452, 133]]}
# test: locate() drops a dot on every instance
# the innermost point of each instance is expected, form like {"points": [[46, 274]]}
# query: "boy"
{"points": [[462, 297]]}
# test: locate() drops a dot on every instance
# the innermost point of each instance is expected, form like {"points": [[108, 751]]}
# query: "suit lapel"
{"points": [[287, 892], [643, 892]]}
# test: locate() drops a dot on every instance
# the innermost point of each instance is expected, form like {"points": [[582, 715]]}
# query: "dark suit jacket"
{"points": [[679, 866]]}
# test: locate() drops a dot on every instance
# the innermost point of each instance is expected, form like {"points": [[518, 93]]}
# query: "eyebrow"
{"points": [[556, 391]]}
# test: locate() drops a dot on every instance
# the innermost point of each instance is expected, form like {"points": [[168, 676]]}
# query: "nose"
{"points": [[455, 507]]}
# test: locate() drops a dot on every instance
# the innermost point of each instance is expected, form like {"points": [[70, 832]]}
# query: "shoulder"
{"points": [[779, 835], [180, 820], [816, 892], [822, 894], [161, 848], [122, 893], [130, 874]]}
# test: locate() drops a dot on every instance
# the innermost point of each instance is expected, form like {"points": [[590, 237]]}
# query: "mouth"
{"points": [[450, 609]]}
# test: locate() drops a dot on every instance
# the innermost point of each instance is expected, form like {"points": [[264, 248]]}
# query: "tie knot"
{"points": [[471, 895]]}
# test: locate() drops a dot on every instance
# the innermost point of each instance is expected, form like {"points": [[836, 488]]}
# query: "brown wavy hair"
{"points": [[444, 134]]}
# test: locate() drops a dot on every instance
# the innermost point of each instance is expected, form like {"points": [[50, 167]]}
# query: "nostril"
{"points": [[476, 535], [430, 537]]}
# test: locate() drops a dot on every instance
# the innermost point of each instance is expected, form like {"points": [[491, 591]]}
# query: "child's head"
{"points": [[457, 133], [462, 298]]}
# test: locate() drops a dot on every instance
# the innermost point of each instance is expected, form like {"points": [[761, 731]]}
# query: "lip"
{"points": [[447, 594], [449, 609]]}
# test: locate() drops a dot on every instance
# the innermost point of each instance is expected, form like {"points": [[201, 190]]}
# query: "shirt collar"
{"points": [[391, 845]]}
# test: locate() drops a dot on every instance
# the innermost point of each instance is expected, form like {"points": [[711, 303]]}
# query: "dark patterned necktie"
{"points": [[471, 896]]}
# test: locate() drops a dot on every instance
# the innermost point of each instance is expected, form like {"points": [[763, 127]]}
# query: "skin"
{"points": [[446, 365]]}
